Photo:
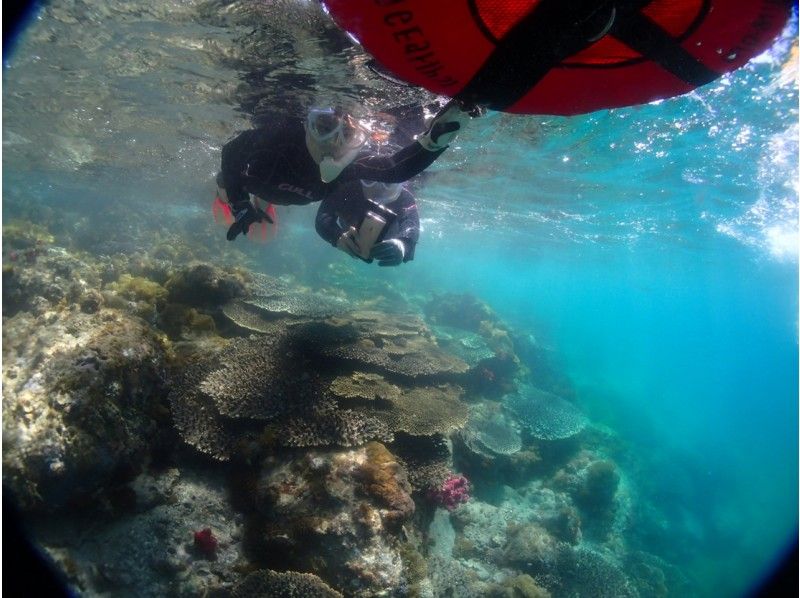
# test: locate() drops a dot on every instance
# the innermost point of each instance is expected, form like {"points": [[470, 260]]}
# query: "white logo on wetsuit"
{"points": [[297, 190]]}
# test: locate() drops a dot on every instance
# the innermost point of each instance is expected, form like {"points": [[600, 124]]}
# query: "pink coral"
{"points": [[453, 491], [206, 543]]}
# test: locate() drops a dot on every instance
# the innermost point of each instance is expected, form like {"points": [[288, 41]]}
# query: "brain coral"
{"points": [[545, 415]]}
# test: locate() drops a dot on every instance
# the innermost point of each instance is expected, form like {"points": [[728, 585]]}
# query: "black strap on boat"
{"points": [[557, 29], [641, 34], [532, 47]]}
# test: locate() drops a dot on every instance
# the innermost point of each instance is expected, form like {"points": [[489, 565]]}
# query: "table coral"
{"points": [[545, 415]]}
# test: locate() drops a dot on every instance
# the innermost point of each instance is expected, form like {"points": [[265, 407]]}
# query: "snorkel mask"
{"points": [[333, 128], [334, 139]]}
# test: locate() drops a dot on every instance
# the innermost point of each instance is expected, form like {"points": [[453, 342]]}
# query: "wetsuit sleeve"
{"points": [[408, 222], [234, 162], [398, 167], [327, 222], [252, 157]]}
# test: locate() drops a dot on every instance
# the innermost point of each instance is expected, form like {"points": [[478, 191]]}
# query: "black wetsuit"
{"points": [[274, 164], [348, 204]]}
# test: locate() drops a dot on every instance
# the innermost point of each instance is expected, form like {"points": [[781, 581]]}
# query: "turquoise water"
{"points": [[651, 250]]}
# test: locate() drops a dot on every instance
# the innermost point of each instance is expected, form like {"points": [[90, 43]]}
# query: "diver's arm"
{"points": [[414, 158], [399, 167], [233, 164], [327, 224], [408, 223]]}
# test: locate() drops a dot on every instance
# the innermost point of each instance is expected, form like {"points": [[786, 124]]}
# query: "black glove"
{"points": [[389, 253], [245, 214], [444, 127]]}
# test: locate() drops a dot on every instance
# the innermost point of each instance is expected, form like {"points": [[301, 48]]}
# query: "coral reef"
{"points": [[180, 321], [299, 304], [588, 572], [456, 310], [333, 513], [288, 584], [148, 550], [545, 415], [594, 485], [260, 377], [55, 279], [332, 420], [491, 432], [469, 346], [196, 418], [247, 318], [331, 426], [399, 345], [23, 234], [524, 586], [427, 459], [452, 492], [285, 374], [206, 543], [81, 402], [361, 386], [139, 288], [422, 411], [384, 479], [203, 285]]}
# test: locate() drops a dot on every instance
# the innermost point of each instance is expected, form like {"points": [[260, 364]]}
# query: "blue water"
{"points": [[651, 250]]}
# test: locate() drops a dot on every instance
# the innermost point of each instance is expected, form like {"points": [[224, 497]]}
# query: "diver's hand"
{"points": [[245, 214], [347, 242], [446, 124], [389, 253]]}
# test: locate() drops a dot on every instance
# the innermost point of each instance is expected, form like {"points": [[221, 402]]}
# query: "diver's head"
{"points": [[332, 132], [381, 193]]}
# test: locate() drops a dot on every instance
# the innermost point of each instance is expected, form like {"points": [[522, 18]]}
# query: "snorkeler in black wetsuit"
{"points": [[295, 163], [342, 212]]}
